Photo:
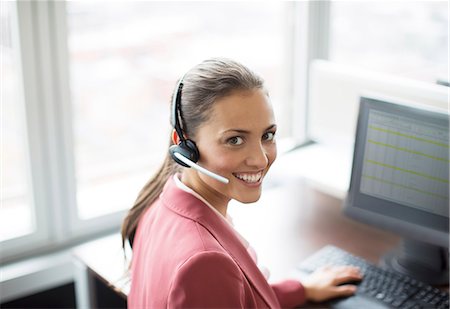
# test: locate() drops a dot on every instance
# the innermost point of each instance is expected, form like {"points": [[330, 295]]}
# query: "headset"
{"points": [[186, 152]]}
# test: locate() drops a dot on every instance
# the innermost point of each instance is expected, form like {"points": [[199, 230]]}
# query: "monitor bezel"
{"points": [[422, 226]]}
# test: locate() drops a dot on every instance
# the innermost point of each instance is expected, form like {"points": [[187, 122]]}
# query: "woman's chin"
{"points": [[248, 199]]}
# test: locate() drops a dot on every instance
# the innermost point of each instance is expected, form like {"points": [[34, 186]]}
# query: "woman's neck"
{"points": [[214, 198]]}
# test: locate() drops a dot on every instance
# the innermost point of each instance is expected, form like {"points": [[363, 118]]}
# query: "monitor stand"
{"points": [[422, 261]]}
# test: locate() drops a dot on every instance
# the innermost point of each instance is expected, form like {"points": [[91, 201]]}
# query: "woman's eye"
{"points": [[269, 136], [236, 140]]}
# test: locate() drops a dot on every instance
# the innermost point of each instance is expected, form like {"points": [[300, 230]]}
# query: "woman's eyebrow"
{"points": [[241, 131], [273, 126]]}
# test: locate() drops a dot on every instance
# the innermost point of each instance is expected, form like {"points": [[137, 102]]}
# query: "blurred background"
{"points": [[86, 86]]}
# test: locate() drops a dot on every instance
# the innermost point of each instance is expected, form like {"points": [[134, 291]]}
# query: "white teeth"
{"points": [[251, 178]]}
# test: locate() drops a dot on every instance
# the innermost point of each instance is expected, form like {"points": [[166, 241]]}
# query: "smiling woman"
{"points": [[186, 252], [224, 115]]}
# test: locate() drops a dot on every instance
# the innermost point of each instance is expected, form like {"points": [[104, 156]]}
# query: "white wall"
{"points": [[334, 98]]}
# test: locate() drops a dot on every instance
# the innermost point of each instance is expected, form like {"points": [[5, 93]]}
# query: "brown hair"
{"points": [[203, 85]]}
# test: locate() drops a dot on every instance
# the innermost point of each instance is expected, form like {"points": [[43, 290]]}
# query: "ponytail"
{"points": [[149, 193]]}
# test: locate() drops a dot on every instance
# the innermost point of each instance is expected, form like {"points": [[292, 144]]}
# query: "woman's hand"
{"points": [[328, 282]]}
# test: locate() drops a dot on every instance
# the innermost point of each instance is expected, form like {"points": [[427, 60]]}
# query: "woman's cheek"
{"points": [[271, 153], [227, 163], [219, 161]]}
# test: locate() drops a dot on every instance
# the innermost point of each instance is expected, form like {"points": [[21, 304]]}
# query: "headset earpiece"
{"points": [[186, 152], [187, 149]]}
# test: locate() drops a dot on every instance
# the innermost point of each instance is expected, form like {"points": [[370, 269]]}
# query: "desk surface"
{"points": [[290, 222], [106, 259]]}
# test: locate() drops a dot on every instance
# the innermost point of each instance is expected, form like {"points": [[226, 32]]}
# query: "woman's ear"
{"points": [[175, 138]]}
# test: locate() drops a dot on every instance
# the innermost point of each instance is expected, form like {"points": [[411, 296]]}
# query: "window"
{"points": [[16, 199], [406, 38], [124, 60]]}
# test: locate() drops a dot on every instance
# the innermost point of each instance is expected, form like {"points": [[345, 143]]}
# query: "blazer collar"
{"points": [[187, 205]]}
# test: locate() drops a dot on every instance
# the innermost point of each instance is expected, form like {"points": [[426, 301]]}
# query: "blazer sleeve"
{"points": [[290, 293], [207, 280]]}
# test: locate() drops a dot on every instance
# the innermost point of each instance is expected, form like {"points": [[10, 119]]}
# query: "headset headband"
{"points": [[176, 110]]}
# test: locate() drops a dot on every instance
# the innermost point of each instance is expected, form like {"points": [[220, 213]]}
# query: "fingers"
{"points": [[347, 275], [341, 274], [328, 282], [341, 269], [344, 290], [346, 269]]}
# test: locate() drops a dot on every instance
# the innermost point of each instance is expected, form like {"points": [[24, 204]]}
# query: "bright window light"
{"points": [[16, 211]]}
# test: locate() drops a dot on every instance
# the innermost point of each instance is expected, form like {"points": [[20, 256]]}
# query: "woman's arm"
{"points": [[290, 293], [207, 280]]}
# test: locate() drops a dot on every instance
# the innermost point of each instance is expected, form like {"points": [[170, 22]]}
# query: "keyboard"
{"points": [[379, 288]]}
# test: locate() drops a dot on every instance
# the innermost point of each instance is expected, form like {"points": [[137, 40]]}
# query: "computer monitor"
{"points": [[400, 182]]}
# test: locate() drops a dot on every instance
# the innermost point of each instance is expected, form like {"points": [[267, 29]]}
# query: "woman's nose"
{"points": [[257, 156]]}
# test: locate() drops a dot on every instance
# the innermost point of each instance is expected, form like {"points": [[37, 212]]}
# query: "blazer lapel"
{"points": [[189, 206]]}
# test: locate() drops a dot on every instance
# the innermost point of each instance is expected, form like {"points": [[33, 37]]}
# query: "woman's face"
{"points": [[236, 142]]}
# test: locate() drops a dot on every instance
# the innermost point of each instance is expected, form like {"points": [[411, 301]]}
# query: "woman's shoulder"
{"points": [[208, 260]]}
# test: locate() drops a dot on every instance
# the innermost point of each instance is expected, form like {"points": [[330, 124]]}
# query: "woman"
{"points": [[186, 253]]}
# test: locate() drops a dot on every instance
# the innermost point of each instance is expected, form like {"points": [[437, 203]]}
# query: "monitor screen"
{"points": [[401, 166], [400, 172], [405, 161]]}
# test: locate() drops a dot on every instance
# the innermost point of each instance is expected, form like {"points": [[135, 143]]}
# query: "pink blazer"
{"points": [[186, 256]]}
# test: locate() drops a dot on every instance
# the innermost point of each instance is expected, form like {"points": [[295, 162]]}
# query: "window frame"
{"points": [[24, 40]]}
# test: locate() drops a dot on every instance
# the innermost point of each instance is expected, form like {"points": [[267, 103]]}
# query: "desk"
{"points": [[100, 269], [290, 221]]}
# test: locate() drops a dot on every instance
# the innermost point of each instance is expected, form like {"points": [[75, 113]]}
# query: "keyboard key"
{"points": [[408, 305], [389, 299], [380, 296], [400, 300]]}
